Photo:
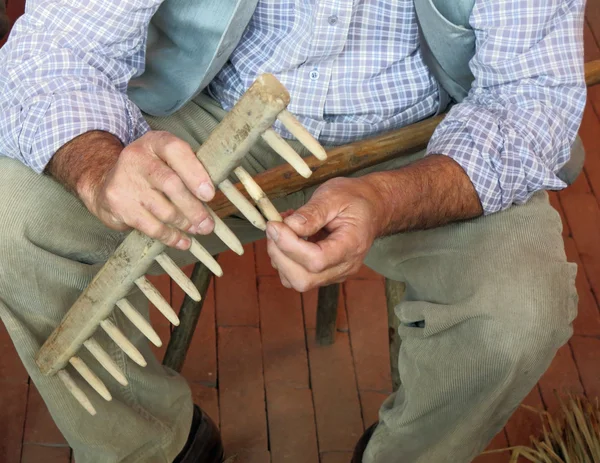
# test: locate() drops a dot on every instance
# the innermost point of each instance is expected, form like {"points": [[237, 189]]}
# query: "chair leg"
{"points": [[181, 337], [327, 314], [394, 292]]}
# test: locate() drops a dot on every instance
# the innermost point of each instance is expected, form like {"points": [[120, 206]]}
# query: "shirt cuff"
{"points": [[52, 122]]}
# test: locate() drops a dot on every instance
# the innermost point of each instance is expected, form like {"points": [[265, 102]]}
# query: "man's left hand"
{"points": [[343, 217]]}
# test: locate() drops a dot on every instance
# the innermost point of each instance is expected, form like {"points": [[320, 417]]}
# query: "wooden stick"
{"points": [[259, 197], [139, 321], [156, 298], [125, 344], [349, 159], [205, 258], [104, 359], [302, 135], [281, 147], [91, 378], [225, 234], [178, 276], [242, 204], [77, 393]]}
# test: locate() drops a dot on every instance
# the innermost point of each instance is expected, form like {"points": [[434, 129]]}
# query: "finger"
{"points": [[180, 157], [314, 257], [166, 180], [290, 272], [311, 217], [145, 222], [164, 210]]}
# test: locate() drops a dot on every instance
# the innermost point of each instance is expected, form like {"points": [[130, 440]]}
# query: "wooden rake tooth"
{"points": [[258, 195], [124, 344], [91, 378], [206, 258], [243, 205], [302, 135], [225, 234], [104, 359], [139, 321], [75, 390], [156, 298], [281, 147], [178, 276]]}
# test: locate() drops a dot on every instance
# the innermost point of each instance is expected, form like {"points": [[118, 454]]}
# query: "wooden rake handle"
{"points": [[348, 159]]}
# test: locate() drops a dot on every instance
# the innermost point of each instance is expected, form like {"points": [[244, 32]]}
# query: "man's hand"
{"points": [[155, 185], [350, 213]]}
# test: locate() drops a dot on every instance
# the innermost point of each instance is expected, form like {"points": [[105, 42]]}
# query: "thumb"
{"points": [[310, 218]]}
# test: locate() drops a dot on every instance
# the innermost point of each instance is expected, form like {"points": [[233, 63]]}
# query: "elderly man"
{"points": [[110, 98]]}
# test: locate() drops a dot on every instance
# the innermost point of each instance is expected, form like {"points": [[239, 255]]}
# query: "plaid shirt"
{"points": [[353, 68]]}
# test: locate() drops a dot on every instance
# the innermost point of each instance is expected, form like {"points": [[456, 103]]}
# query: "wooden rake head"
{"points": [[252, 117]]}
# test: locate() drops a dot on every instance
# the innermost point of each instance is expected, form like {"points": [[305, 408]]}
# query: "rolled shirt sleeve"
{"points": [[514, 131], [64, 72]]}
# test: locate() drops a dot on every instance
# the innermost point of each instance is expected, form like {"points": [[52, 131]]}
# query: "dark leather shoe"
{"points": [[204, 443], [361, 445]]}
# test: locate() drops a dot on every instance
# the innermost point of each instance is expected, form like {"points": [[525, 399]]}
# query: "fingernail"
{"points": [[183, 243], [205, 191], [206, 226], [295, 219], [272, 232], [193, 230]]}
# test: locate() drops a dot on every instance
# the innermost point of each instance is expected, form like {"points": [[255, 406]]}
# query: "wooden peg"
{"points": [[258, 195], [281, 147], [139, 321], [243, 205], [225, 234], [124, 344], [204, 256], [91, 378], [76, 391], [104, 359], [302, 135], [178, 276], [156, 298]]}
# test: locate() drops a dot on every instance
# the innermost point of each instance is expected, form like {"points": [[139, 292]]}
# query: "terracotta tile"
{"points": [[292, 432], [592, 14], [248, 457], [592, 52], [555, 202], [524, 423], [207, 398], [241, 390], [562, 377], [160, 324], [282, 330], [236, 294], [370, 403], [586, 351], [13, 404], [499, 442], [11, 368], [336, 457], [309, 303], [583, 214], [588, 131], [39, 425], [337, 408], [201, 362], [588, 315], [367, 317], [47, 454], [263, 261]]}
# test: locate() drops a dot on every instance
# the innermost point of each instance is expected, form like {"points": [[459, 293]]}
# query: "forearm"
{"points": [[82, 164], [426, 194]]}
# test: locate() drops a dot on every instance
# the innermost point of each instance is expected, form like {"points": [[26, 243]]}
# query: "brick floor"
{"points": [[278, 397]]}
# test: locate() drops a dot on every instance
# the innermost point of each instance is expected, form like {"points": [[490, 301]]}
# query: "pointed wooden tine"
{"points": [[225, 234], [302, 135], [139, 321], [178, 276], [91, 378], [104, 359], [258, 195], [76, 391], [243, 205], [281, 147], [205, 257], [124, 344], [156, 298]]}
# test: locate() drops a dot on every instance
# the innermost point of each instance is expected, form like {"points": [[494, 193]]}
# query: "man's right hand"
{"points": [[155, 185]]}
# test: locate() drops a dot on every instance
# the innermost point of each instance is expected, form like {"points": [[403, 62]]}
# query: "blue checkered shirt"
{"points": [[353, 68]]}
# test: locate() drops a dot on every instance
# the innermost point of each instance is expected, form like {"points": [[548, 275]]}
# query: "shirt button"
{"points": [[314, 74], [333, 19]]}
